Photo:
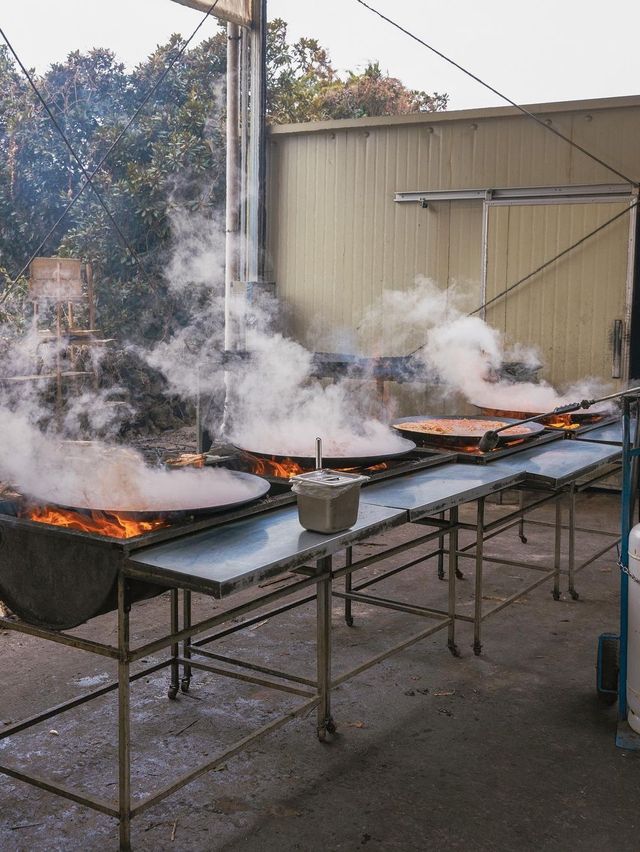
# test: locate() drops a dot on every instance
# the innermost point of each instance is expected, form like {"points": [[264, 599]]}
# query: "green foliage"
{"points": [[303, 85], [171, 158]]}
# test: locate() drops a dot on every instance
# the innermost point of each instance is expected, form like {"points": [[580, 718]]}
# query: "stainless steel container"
{"points": [[328, 500]]}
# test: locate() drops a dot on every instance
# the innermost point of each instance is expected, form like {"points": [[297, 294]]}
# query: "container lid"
{"points": [[330, 478]]}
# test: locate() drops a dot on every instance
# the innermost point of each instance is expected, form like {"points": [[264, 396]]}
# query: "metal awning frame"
{"points": [[568, 194]]}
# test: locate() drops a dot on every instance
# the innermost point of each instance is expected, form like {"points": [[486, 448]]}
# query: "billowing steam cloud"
{"points": [[99, 476], [277, 409], [462, 353], [274, 405]]}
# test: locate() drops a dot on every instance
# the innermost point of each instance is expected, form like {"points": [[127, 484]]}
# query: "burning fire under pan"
{"points": [[59, 564], [284, 466], [463, 434], [566, 422]]}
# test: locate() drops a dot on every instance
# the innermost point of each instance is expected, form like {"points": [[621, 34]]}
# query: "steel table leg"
{"points": [[521, 534], [326, 725], [453, 573], [477, 615], [557, 549], [124, 721], [348, 616], [174, 685], [572, 542], [441, 551], [186, 646]]}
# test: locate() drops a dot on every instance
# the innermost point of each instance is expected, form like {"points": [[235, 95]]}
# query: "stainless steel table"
{"points": [[223, 560], [567, 467], [441, 488], [609, 434]]}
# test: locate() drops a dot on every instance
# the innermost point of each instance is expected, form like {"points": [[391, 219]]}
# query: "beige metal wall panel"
{"points": [[337, 239], [567, 311]]}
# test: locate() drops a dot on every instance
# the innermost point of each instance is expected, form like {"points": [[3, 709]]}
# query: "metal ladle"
{"points": [[489, 440]]}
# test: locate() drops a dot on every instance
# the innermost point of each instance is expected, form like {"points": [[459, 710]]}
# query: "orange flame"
{"points": [[102, 523], [270, 467], [288, 468], [561, 421], [555, 421]]}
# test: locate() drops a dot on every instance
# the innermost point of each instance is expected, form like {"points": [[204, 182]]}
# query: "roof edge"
{"points": [[455, 115]]}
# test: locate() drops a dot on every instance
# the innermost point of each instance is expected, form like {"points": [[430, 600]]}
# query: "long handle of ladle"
{"points": [[567, 409], [318, 453], [490, 440]]}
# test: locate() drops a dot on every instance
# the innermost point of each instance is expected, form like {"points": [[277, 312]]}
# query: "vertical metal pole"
{"points": [[232, 178], [453, 570], [186, 622], [244, 149], [441, 551], [631, 276], [477, 616], [174, 685], [232, 220], [625, 528], [257, 146], [348, 617], [323, 617], [124, 718], [572, 542], [557, 557], [485, 255]]}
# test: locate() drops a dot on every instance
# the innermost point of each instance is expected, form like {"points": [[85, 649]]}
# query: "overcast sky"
{"points": [[548, 50]]}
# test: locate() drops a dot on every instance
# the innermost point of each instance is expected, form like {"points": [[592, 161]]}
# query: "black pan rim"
{"points": [[332, 461], [450, 439], [261, 484], [577, 416]]}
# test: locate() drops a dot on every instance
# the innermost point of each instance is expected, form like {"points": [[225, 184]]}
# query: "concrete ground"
{"points": [[510, 750]]}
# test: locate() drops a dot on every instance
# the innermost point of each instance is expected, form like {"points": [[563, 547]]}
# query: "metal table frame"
{"points": [[559, 492], [315, 692], [186, 653]]}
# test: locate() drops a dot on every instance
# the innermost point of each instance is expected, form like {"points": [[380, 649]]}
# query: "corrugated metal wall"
{"points": [[337, 239], [567, 311]]}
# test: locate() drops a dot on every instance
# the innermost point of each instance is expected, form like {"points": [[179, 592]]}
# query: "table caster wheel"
{"points": [[477, 648], [172, 693], [459, 574], [575, 596], [523, 539], [331, 726], [348, 620], [556, 595], [185, 683], [453, 648]]}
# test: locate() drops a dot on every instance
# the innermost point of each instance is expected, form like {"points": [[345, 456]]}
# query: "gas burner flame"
{"points": [[101, 523]]}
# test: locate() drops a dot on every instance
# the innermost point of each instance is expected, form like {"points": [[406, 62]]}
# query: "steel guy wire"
{"points": [[517, 106]]}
